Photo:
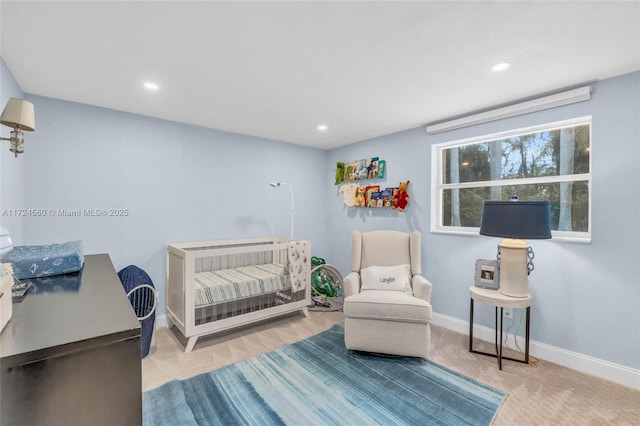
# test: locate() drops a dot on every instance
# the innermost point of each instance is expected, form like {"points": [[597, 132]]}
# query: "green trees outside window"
{"points": [[549, 162]]}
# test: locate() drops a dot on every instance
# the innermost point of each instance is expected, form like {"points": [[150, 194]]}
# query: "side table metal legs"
{"points": [[498, 347]]}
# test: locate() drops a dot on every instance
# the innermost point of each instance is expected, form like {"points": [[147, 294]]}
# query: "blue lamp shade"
{"points": [[527, 220]]}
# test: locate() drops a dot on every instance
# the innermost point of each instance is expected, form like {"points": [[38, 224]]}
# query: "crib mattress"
{"points": [[45, 260], [225, 285]]}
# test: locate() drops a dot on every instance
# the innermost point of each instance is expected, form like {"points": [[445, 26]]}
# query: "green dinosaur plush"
{"points": [[339, 172]]}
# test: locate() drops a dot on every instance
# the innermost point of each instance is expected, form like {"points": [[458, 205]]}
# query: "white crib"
{"points": [[217, 285]]}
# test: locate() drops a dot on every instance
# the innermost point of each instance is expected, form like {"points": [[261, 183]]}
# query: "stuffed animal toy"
{"points": [[339, 172], [360, 196], [401, 198]]}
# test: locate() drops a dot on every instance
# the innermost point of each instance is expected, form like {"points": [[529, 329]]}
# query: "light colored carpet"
{"points": [[317, 381], [542, 393]]}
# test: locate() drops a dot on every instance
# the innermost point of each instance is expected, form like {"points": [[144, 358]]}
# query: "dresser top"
{"points": [[68, 315]]}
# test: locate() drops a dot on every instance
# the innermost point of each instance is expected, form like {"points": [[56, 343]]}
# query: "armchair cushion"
{"points": [[388, 306], [397, 278]]}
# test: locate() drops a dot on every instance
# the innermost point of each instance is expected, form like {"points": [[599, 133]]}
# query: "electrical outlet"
{"points": [[508, 313]]}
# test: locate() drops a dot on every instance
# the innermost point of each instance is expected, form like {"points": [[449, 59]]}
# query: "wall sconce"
{"points": [[19, 115]]}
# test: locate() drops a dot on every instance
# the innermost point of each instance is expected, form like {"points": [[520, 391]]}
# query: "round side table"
{"points": [[499, 300]]}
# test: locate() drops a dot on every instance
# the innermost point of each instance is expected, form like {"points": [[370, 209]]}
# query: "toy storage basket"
{"points": [[144, 300]]}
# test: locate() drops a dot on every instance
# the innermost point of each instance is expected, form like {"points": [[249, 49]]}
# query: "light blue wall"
{"points": [[11, 168], [586, 297], [184, 183], [179, 183]]}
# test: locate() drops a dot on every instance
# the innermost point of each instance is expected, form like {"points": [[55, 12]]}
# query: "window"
{"points": [[548, 162]]}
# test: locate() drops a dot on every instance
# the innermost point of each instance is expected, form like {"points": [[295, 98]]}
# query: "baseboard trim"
{"points": [[596, 367]]}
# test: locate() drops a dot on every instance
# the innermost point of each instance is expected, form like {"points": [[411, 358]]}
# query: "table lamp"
{"points": [[515, 221]]}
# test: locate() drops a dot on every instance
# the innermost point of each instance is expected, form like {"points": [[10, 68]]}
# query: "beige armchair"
{"points": [[387, 302]]}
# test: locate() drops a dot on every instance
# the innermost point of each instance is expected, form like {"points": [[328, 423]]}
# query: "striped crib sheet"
{"points": [[224, 285]]}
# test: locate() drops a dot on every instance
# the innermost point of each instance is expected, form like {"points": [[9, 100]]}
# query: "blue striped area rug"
{"points": [[317, 381]]}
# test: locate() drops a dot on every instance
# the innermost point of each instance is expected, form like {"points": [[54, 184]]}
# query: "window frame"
{"points": [[438, 187]]}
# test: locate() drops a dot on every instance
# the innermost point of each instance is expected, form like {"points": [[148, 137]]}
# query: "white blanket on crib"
{"points": [[237, 283], [299, 264]]}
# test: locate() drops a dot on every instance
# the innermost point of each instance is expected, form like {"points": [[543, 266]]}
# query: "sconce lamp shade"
{"points": [[516, 219], [19, 113]]}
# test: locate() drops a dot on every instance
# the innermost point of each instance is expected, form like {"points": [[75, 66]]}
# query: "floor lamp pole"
{"points": [[291, 192], [276, 184]]}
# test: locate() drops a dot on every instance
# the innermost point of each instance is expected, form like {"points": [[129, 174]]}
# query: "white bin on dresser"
{"points": [[6, 304]]}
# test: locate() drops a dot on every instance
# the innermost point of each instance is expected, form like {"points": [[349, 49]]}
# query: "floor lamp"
{"points": [[277, 184], [515, 221]]}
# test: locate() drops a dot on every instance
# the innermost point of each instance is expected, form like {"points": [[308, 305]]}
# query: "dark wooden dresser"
{"points": [[70, 355]]}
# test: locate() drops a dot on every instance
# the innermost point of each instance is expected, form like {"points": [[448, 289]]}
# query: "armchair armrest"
{"points": [[351, 284], [421, 287]]}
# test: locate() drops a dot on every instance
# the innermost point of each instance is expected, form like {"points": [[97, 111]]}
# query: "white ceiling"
{"points": [[278, 69]]}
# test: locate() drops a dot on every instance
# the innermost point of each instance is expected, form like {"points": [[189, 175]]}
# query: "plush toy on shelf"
{"points": [[360, 196], [401, 198], [339, 172]]}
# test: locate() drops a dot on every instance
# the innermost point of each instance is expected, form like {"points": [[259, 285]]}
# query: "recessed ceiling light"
{"points": [[322, 127], [500, 67], [151, 86]]}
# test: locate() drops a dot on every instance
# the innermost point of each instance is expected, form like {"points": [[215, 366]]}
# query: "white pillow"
{"points": [[396, 278]]}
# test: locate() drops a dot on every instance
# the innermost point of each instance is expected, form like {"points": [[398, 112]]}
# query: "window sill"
{"points": [[570, 237]]}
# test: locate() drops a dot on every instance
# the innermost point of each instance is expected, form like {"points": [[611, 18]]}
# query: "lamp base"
{"points": [[514, 273]]}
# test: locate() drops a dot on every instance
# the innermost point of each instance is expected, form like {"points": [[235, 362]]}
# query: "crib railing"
{"points": [[197, 316], [221, 311]]}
